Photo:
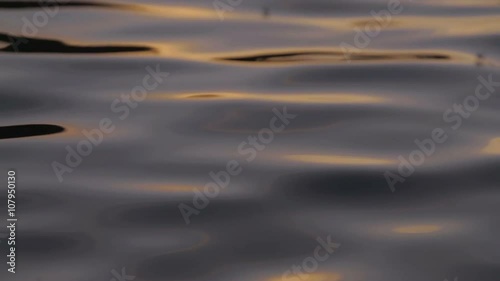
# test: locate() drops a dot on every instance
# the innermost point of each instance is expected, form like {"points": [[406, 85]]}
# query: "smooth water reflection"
{"points": [[322, 175]]}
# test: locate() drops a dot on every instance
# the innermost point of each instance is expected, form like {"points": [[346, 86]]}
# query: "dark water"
{"points": [[68, 71]]}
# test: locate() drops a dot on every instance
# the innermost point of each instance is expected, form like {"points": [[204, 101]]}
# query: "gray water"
{"points": [[115, 114]]}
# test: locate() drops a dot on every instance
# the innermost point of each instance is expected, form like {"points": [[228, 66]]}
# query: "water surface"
{"points": [[321, 176]]}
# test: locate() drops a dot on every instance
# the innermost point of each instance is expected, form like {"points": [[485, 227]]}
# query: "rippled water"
{"points": [[68, 70]]}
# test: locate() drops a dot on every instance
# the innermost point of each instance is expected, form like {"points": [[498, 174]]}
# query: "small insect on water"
{"points": [[479, 59]]}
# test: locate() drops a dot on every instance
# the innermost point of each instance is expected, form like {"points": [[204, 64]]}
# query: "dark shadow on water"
{"points": [[332, 56], [21, 131], [33, 45]]}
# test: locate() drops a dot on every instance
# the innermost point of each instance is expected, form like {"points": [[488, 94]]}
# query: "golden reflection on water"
{"points": [[312, 277], [493, 147], [417, 229], [289, 98], [179, 12], [74, 132], [340, 160], [457, 25], [176, 188], [70, 132]]}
